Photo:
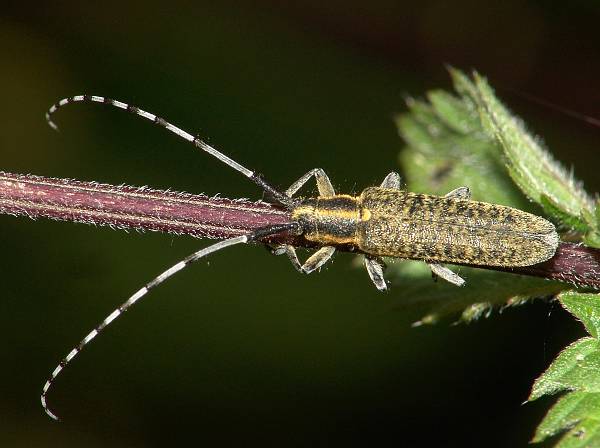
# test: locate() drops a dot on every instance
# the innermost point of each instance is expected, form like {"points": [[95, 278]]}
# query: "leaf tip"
{"points": [[429, 319]]}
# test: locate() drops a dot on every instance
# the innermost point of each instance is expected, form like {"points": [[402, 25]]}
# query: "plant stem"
{"points": [[143, 208], [124, 207], [572, 263]]}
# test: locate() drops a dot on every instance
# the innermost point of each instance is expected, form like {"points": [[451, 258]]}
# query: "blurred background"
{"points": [[242, 349]]}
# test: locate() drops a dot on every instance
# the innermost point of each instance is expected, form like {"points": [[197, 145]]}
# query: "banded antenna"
{"points": [[292, 227], [275, 229], [253, 176]]}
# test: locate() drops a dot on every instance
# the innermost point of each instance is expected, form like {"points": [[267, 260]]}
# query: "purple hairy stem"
{"points": [[572, 263], [124, 207]]}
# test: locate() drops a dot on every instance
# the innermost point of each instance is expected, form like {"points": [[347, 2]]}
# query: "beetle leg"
{"points": [[391, 181], [323, 183], [446, 274], [459, 193], [318, 259], [290, 251], [375, 267], [275, 250], [314, 262]]}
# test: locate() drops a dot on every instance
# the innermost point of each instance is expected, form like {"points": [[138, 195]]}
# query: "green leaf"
{"points": [[586, 307], [483, 290], [530, 165], [553, 209], [454, 112], [577, 370], [571, 411], [473, 140], [447, 148], [573, 369], [592, 239]]}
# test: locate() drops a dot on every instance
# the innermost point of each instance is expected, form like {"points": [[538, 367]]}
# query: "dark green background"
{"points": [[242, 349]]}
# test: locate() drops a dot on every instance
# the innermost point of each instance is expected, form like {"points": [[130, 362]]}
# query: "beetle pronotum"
{"points": [[383, 221]]}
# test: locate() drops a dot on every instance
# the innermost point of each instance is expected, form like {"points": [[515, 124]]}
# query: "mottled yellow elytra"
{"points": [[397, 223]]}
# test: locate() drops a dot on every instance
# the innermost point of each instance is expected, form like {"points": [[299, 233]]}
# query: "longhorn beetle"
{"points": [[383, 221]]}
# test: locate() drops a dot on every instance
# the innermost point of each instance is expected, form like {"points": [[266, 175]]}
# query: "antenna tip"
{"points": [[51, 123], [47, 409]]}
